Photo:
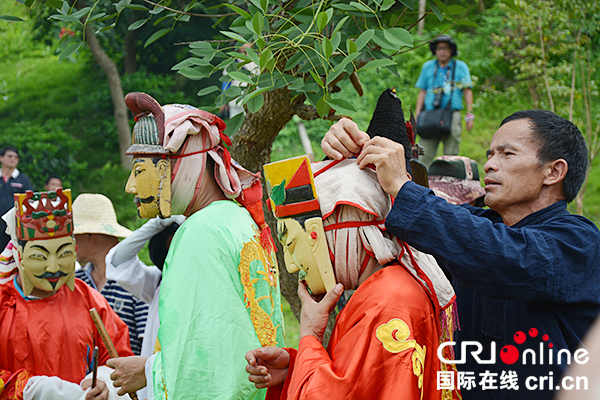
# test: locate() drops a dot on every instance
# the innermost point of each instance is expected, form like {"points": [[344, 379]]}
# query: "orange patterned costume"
{"points": [[54, 336]]}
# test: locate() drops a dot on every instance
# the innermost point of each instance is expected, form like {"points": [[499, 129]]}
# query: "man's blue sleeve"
{"points": [[537, 263]]}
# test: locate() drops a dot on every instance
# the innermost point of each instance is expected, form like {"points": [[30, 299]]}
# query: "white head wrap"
{"points": [[347, 193]]}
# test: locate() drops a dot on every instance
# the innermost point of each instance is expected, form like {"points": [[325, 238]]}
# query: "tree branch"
{"points": [[189, 13]]}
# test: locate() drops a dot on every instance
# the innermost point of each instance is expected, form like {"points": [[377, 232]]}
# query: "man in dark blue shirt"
{"points": [[13, 181], [526, 271]]}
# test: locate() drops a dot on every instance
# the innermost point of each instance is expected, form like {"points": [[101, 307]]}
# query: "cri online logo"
{"points": [[510, 354]]}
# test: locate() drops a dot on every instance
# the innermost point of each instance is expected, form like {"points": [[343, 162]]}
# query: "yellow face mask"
{"points": [[305, 249], [150, 182], [48, 264]]}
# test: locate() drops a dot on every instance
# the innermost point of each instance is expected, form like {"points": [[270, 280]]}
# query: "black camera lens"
{"points": [[437, 100]]}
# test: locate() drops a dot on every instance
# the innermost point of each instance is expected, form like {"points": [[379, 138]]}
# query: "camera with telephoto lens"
{"points": [[437, 100]]}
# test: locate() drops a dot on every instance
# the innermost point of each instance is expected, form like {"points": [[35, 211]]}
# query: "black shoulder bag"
{"points": [[437, 123]]}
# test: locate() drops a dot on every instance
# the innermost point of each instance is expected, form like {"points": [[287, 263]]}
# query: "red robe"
{"points": [[54, 336], [384, 343]]}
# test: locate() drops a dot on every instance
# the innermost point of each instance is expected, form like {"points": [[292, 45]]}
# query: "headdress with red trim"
{"points": [[188, 135], [43, 215]]}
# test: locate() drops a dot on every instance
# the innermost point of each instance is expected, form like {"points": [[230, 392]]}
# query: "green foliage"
{"points": [[45, 149]]}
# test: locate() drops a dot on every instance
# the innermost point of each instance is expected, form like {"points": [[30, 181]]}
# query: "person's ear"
{"points": [[556, 171], [164, 188], [312, 228]]}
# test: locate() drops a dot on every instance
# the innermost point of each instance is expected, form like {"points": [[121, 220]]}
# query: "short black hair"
{"points": [[8, 148], [50, 177], [158, 246], [557, 138]]}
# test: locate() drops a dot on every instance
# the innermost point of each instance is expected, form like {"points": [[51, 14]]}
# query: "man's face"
{"points": [[10, 159], [48, 264], [144, 183], [443, 52], [514, 176], [84, 247]]}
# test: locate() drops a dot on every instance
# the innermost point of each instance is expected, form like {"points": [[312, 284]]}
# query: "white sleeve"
{"points": [[133, 275], [52, 388], [104, 375], [148, 371]]}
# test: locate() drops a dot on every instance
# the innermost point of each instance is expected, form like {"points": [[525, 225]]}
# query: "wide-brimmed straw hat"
{"points": [[456, 179], [94, 213]]}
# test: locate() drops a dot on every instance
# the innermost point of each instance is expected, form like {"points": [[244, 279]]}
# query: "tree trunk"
{"points": [[421, 24], [252, 148], [116, 91]]}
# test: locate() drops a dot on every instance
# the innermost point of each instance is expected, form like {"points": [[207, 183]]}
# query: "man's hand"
{"points": [[343, 140], [469, 125], [390, 163], [267, 366], [99, 392], [314, 315], [129, 373]]}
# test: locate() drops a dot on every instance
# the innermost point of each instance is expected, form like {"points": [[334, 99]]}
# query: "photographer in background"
{"points": [[441, 81]]}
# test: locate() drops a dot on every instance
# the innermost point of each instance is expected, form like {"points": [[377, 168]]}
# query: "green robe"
{"points": [[219, 298]]}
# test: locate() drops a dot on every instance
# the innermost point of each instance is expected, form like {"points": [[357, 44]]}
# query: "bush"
{"points": [[45, 149]]}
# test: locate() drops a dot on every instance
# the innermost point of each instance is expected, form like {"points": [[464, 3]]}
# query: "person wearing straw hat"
{"points": [[96, 232], [219, 295], [47, 337]]}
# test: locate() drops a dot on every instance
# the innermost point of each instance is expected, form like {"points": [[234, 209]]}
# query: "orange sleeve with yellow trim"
{"points": [[12, 384], [383, 346]]}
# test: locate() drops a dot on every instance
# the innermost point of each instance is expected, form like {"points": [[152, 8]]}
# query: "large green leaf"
{"points": [[512, 5], [364, 38], [360, 7], [11, 18], [342, 106], [138, 7], [69, 50], [137, 24], [322, 21], [234, 124], [377, 64], [398, 36], [255, 103], [253, 56], [335, 41], [380, 39], [326, 47], [408, 3], [258, 23], [196, 73], [436, 10], [387, 4], [157, 35], [297, 84], [351, 46], [238, 10], [234, 36], [322, 107], [208, 90], [240, 76], [340, 25]]}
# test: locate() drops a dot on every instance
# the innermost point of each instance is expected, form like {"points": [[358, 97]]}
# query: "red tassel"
{"points": [[266, 239]]}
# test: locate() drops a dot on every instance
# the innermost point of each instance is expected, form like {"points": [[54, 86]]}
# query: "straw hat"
{"points": [[94, 213]]}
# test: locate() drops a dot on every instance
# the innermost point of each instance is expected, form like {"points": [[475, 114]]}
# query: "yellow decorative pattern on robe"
{"points": [[394, 337], [263, 325]]}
